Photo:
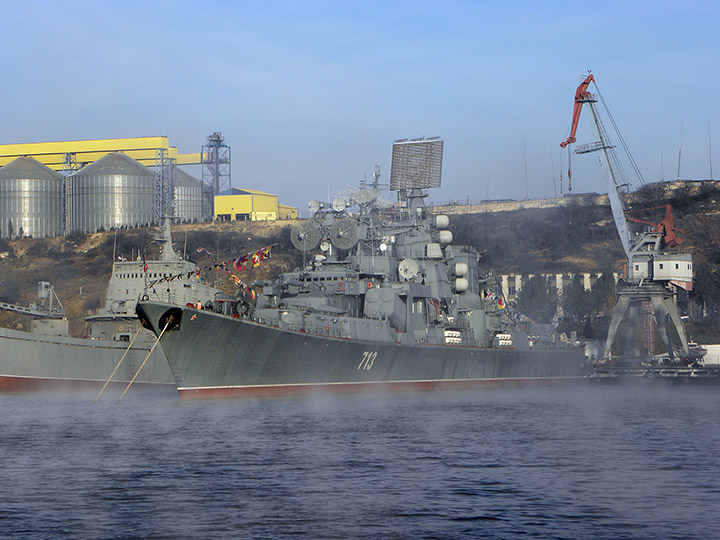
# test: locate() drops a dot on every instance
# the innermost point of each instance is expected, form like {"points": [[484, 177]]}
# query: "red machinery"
{"points": [[581, 96], [666, 226]]}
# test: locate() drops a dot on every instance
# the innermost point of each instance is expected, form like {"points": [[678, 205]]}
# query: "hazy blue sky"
{"points": [[310, 95]]}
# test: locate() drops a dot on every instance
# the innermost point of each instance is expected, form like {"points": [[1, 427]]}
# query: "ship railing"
{"points": [[394, 214], [324, 331]]}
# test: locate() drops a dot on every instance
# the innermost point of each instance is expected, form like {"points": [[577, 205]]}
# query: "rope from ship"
{"points": [[118, 364], [146, 359]]}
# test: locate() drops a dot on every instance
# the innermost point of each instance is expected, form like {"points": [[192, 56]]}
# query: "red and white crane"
{"points": [[654, 265]]}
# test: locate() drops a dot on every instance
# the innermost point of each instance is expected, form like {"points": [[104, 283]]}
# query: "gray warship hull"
{"points": [[31, 362], [213, 355], [50, 359]]}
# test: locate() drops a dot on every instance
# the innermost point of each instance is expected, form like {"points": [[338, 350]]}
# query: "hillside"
{"points": [[578, 236], [575, 237], [79, 265]]}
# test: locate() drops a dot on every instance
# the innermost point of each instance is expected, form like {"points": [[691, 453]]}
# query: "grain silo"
{"points": [[30, 199], [114, 191], [188, 197]]}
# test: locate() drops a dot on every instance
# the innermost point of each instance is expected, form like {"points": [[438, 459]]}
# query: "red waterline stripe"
{"points": [[15, 383], [399, 386]]}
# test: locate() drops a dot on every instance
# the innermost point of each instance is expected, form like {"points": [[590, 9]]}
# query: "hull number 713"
{"points": [[368, 359]]}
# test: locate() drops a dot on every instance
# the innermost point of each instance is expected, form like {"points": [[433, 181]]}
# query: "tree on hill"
{"points": [[536, 300], [602, 295], [577, 301], [706, 283]]}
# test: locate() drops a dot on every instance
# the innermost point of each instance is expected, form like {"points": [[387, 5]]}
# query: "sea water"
{"points": [[570, 462]]}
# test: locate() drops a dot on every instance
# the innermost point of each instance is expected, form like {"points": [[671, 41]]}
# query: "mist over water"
{"points": [[575, 462]]}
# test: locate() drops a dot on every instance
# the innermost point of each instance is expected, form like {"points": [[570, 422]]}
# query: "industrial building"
{"points": [[251, 205], [106, 183], [187, 196], [30, 199], [74, 155], [115, 191]]}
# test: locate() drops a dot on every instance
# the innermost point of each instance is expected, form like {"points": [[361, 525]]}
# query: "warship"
{"points": [[47, 357], [384, 300]]}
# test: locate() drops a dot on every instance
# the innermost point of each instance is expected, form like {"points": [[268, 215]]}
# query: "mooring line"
{"points": [[146, 358], [118, 364]]}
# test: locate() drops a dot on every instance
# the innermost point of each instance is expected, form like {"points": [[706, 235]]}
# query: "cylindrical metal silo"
{"points": [[188, 197], [114, 191], [30, 199]]}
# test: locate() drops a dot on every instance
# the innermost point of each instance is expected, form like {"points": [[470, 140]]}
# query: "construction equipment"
{"points": [[655, 267], [45, 309]]}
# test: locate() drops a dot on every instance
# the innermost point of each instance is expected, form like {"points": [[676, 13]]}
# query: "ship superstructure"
{"points": [[387, 273], [170, 278]]}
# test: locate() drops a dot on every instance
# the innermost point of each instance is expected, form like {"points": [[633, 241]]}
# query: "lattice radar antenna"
{"points": [[416, 163]]}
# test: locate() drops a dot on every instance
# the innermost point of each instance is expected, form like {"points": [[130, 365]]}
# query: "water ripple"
{"points": [[597, 462]]}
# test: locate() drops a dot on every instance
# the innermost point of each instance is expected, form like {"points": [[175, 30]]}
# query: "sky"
{"points": [[311, 95]]}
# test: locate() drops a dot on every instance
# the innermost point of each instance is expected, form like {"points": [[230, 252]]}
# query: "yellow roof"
{"points": [[51, 154]]}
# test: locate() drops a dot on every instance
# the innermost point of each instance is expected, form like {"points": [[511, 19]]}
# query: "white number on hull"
{"points": [[368, 359]]}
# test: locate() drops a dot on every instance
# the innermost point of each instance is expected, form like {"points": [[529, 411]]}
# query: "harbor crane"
{"points": [[45, 309], [655, 268]]}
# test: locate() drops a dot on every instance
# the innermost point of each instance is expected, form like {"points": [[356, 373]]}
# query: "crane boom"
{"points": [[583, 96]]}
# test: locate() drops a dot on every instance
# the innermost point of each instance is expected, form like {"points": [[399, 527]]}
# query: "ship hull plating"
{"points": [[211, 355], [30, 363]]}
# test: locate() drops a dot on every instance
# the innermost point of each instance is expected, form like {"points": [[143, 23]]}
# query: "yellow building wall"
{"points": [[257, 206], [287, 212]]}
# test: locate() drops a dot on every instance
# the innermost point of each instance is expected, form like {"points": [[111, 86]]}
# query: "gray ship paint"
{"points": [[387, 300], [32, 361]]}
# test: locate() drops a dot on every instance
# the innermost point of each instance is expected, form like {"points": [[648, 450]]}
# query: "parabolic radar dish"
{"points": [[365, 195], [408, 269], [305, 235], [344, 233], [339, 204]]}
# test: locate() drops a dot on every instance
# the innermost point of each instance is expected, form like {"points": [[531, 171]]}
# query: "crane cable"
{"points": [[118, 364], [620, 137], [146, 358]]}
